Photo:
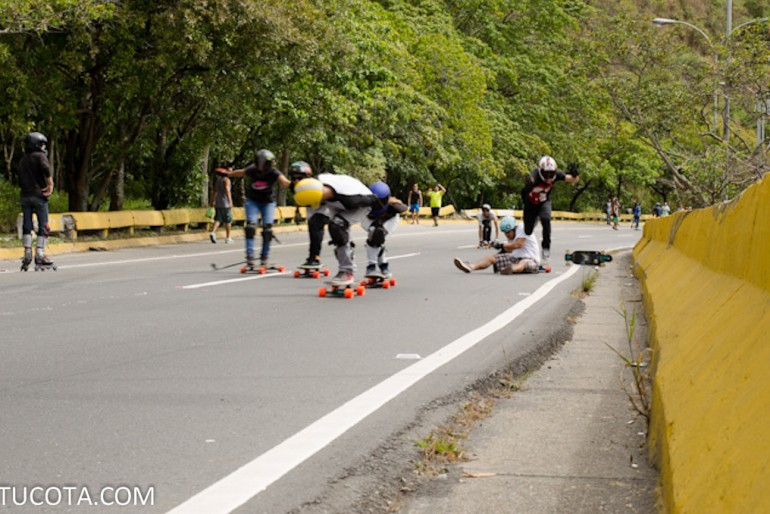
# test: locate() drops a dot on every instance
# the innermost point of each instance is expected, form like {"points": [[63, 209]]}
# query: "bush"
{"points": [[10, 205]]}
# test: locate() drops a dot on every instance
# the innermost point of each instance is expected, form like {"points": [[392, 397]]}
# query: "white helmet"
{"points": [[547, 163], [547, 168]]}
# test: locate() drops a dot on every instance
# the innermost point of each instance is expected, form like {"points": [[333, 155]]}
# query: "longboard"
{"points": [[590, 257]]}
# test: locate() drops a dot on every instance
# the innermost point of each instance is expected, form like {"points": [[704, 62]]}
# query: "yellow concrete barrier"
{"points": [[706, 290]]}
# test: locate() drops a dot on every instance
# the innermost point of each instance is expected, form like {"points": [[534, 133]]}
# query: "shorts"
{"points": [[504, 263], [414, 208], [434, 211], [223, 215]]}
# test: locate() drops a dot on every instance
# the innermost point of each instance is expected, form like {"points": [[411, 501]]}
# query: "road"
{"points": [[146, 369]]}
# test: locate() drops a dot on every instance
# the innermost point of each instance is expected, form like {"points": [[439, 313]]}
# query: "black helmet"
{"points": [[34, 142], [265, 161], [299, 170]]}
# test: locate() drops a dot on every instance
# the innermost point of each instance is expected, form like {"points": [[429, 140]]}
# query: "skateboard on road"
{"points": [[345, 290], [378, 280], [590, 257], [262, 269], [304, 271]]}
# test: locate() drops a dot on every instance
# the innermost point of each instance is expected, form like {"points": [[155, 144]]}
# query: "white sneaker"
{"points": [[462, 265], [229, 241], [213, 237]]}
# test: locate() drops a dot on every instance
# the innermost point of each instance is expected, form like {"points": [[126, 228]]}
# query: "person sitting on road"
{"points": [[519, 254], [486, 219]]}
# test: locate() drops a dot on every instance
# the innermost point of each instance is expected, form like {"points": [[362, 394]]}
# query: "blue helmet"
{"points": [[382, 191], [507, 224]]}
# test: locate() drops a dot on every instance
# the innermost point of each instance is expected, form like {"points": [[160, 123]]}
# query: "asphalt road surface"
{"points": [[141, 380]]}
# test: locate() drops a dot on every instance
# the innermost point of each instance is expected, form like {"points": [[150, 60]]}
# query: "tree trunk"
{"points": [[204, 199], [118, 193]]}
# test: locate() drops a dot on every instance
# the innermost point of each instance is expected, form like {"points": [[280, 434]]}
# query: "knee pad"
{"points": [[376, 236], [338, 231], [267, 232], [251, 230]]}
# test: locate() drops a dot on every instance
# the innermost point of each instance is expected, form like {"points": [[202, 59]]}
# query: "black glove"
{"points": [[573, 169], [497, 245]]}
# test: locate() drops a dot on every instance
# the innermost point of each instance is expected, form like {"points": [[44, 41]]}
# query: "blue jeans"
{"points": [[253, 211], [38, 206]]}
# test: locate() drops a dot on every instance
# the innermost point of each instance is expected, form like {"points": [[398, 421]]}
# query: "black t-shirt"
{"points": [[34, 170], [537, 191], [260, 186]]}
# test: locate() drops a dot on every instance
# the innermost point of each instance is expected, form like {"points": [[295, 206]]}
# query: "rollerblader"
{"points": [[519, 254], [486, 219], [537, 197], [378, 224], [36, 187], [338, 201], [261, 177]]}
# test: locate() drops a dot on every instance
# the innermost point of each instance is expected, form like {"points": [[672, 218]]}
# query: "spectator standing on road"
{"points": [[537, 197], [615, 213], [608, 210], [36, 184], [223, 205], [486, 219], [415, 201], [656, 210], [665, 210], [435, 197], [519, 254], [637, 215]]}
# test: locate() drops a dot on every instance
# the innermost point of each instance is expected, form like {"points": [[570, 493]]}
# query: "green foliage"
{"points": [[469, 93]]}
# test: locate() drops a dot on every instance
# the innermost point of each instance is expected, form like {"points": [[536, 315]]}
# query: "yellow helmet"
{"points": [[308, 192]]}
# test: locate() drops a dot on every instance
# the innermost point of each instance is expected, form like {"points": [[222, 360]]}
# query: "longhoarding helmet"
{"points": [[547, 167], [34, 142], [265, 160], [382, 191], [308, 192], [507, 224], [299, 170]]}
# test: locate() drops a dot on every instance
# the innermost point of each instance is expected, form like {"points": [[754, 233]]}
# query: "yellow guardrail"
{"points": [[706, 285]]}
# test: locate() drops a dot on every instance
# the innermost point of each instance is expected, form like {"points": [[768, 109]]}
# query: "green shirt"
{"points": [[435, 198]]}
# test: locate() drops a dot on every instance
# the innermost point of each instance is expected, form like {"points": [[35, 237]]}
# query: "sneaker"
{"points": [[312, 263], [343, 278], [213, 237], [385, 269], [546, 253], [462, 265], [371, 269], [228, 241]]}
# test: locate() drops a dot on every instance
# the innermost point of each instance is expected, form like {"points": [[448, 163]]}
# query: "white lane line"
{"points": [[241, 485], [404, 256], [233, 280]]}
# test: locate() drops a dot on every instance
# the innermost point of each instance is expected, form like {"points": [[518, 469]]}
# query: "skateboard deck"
{"points": [[378, 280], [311, 271], [263, 269], [347, 290], [590, 257]]}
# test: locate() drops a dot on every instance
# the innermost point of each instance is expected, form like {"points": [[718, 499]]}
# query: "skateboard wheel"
{"points": [[322, 292], [348, 293], [364, 283], [361, 291], [327, 273], [281, 268], [393, 282], [243, 269], [296, 274], [317, 274], [262, 270], [386, 284]]}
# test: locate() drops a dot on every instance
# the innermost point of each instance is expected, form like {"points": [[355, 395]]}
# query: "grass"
{"points": [[637, 361], [444, 445]]}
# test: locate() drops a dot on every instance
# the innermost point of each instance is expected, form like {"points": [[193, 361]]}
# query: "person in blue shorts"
{"points": [[415, 201]]}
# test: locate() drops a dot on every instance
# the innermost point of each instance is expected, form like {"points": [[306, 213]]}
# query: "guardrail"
{"points": [[70, 224], [706, 286]]}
